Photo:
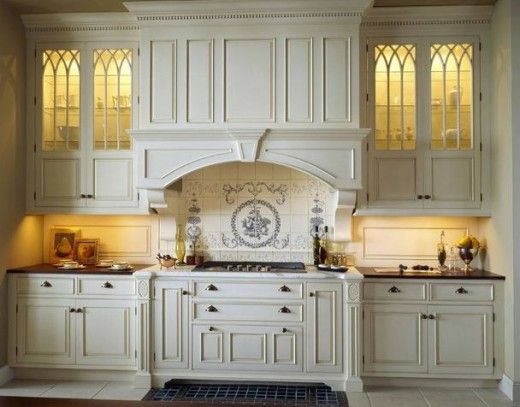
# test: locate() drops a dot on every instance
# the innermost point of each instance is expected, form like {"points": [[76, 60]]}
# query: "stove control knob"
{"points": [[258, 267], [229, 267], [267, 268], [249, 267], [239, 267]]}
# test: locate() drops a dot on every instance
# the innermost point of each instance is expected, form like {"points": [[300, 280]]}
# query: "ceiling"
{"points": [[74, 6]]}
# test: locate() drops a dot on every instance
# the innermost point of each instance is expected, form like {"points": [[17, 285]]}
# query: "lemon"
{"points": [[465, 242]]}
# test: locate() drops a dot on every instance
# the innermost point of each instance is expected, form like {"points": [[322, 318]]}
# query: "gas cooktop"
{"points": [[251, 267]]}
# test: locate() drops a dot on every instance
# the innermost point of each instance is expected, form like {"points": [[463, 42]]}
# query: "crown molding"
{"points": [[426, 16], [79, 22], [204, 11]]}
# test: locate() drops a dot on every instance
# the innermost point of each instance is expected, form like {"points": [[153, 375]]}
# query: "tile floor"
{"points": [[373, 397]]}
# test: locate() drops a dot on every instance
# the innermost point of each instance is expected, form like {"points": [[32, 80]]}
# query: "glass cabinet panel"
{"points": [[452, 96], [60, 100], [395, 105], [112, 98]]}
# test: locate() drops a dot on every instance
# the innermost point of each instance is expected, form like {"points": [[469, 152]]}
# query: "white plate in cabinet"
{"points": [[204, 311], [462, 292], [248, 290], [394, 291], [45, 285], [256, 348], [106, 286]]}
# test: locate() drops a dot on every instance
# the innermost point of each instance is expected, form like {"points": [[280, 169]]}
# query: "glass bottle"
{"points": [[180, 245], [441, 253], [316, 246], [324, 242]]}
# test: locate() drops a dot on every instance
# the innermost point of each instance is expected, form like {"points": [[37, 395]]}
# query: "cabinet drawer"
{"points": [[45, 285], [208, 289], [205, 311], [105, 286], [394, 291], [462, 292]]}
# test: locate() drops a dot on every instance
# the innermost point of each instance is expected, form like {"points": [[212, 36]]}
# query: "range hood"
{"points": [[246, 81]]}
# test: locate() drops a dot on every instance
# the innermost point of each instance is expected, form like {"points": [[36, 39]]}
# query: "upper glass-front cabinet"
{"points": [[451, 96], [61, 99], [395, 108], [110, 84], [112, 98]]}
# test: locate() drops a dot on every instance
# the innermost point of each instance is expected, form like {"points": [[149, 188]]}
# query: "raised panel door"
{"points": [[45, 331], [461, 339], [395, 338], [324, 328], [171, 324], [105, 332]]}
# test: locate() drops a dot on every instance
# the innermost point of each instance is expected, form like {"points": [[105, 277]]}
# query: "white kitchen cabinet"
{"points": [[324, 329], [105, 332], [84, 98], [56, 324], [423, 104], [248, 347], [171, 329], [452, 332], [395, 338], [45, 331]]}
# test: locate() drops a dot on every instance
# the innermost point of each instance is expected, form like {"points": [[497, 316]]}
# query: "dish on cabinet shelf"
{"points": [[78, 267], [121, 267]]}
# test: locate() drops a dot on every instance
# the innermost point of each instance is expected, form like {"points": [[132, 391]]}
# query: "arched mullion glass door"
{"points": [[395, 104], [452, 96], [112, 98], [60, 100]]}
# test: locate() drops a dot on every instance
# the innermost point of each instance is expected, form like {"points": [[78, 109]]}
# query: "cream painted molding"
{"points": [[6, 374], [79, 22]]}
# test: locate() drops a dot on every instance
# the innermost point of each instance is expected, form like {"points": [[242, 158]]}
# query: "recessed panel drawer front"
{"points": [[394, 291], [205, 311], [45, 285], [280, 290], [462, 292], [106, 286]]}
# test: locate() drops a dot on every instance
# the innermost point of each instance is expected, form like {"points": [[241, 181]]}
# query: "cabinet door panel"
{"points": [[113, 182], [395, 338], [324, 347], [58, 181], [105, 333], [44, 331], [171, 324], [461, 339]]}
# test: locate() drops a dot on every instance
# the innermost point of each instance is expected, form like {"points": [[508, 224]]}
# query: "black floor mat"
{"points": [[258, 394]]}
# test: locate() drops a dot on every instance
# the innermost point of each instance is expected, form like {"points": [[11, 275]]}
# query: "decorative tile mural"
{"points": [[257, 211]]}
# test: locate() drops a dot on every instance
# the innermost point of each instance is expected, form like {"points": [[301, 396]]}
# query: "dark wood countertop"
{"points": [[49, 268], [476, 274]]}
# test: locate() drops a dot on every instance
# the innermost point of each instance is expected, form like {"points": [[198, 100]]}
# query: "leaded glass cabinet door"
{"points": [[392, 111], [58, 171], [113, 99], [452, 173]]}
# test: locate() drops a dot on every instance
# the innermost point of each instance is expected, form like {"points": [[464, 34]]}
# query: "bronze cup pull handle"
{"points": [[461, 290], [107, 284], [211, 287], [211, 308], [394, 289], [284, 289], [46, 284], [284, 310]]}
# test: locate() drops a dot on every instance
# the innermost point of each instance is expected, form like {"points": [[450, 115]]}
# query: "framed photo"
{"points": [[62, 241], [86, 251]]}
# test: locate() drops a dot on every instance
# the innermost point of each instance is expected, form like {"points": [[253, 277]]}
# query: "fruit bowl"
{"points": [[167, 261], [468, 249]]}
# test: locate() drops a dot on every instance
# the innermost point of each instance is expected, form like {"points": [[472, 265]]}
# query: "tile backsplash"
{"points": [[257, 211]]}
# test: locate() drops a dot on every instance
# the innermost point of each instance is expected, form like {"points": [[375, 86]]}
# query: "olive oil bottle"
{"points": [[316, 246]]}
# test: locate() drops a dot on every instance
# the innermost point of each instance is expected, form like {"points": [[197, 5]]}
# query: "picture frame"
{"points": [[86, 251], [62, 241]]}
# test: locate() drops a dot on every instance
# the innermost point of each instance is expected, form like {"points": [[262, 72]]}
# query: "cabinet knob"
{"points": [[72, 310], [46, 284], [284, 310], [419, 197], [211, 308], [80, 310], [184, 292], [211, 287], [284, 289], [427, 197], [90, 196], [431, 316], [461, 290], [394, 289], [82, 196], [107, 284], [285, 330], [311, 294], [424, 316], [211, 329]]}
